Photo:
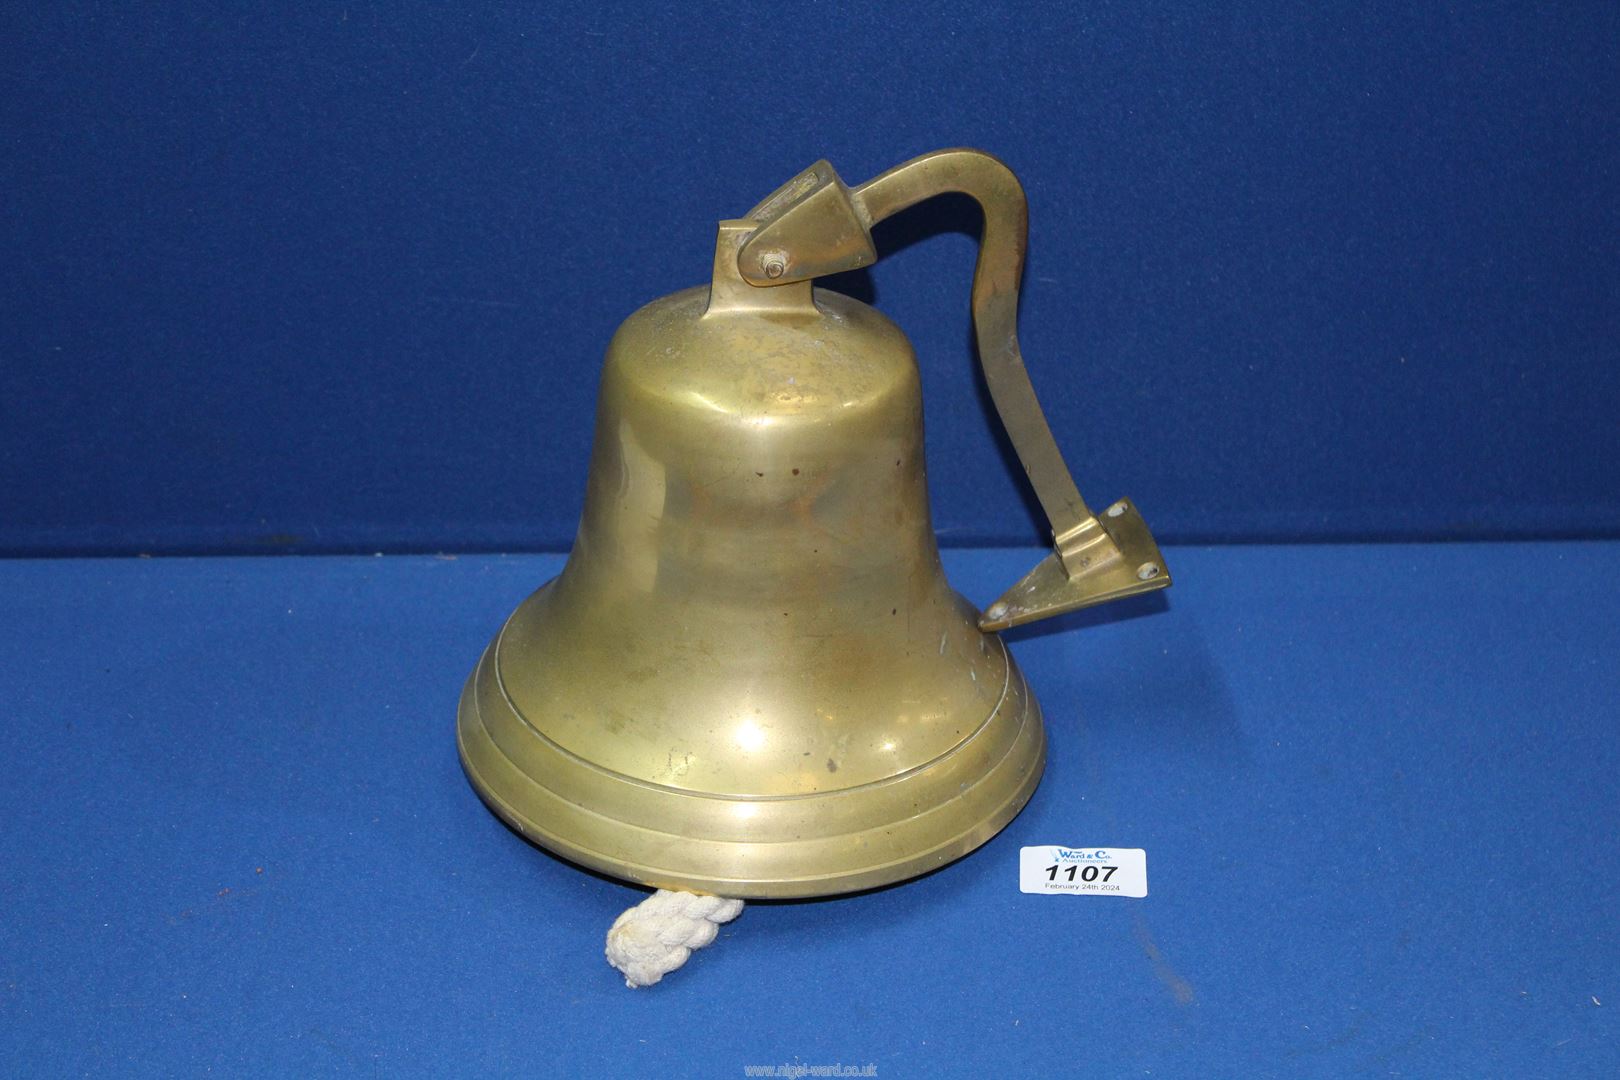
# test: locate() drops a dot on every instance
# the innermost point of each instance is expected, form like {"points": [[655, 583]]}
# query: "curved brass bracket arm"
{"points": [[815, 225]]}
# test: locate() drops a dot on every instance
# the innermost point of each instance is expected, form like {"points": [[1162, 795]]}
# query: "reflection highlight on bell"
{"points": [[749, 736]]}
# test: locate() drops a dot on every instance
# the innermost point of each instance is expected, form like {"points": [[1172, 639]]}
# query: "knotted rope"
{"points": [[656, 936]]}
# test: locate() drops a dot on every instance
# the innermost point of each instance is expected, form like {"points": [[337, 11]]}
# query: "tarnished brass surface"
{"points": [[751, 677]]}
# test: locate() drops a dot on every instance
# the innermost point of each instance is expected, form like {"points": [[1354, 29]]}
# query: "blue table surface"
{"points": [[1377, 786]]}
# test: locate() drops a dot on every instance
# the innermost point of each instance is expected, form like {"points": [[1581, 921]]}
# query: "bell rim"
{"points": [[623, 848]]}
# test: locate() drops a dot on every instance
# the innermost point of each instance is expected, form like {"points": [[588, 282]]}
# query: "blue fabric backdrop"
{"points": [[325, 276], [1375, 783]]}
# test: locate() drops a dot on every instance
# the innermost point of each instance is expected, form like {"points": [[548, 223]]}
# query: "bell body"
{"points": [[752, 677]]}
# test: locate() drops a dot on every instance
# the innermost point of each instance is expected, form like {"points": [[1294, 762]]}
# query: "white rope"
{"points": [[656, 936]]}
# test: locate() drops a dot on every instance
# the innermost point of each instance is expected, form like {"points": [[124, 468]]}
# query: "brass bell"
{"points": [[752, 678]]}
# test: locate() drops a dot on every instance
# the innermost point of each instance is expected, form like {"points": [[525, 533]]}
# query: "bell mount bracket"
{"points": [[815, 225]]}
